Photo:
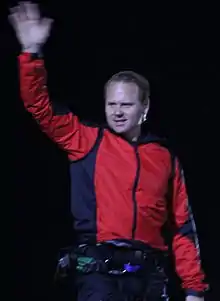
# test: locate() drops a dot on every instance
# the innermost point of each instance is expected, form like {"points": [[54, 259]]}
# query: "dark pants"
{"points": [[99, 287]]}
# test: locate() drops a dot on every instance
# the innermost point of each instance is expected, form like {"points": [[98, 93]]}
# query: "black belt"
{"points": [[106, 258]]}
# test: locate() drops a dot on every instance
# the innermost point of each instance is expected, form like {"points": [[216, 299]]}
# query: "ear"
{"points": [[146, 106]]}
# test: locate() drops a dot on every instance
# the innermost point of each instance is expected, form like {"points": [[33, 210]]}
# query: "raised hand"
{"points": [[31, 30]]}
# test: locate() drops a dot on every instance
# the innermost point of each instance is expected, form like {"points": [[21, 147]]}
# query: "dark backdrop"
{"points": [[176, 49]]}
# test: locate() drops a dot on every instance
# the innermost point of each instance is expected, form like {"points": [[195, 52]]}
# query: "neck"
{"points": [[133, 134]]}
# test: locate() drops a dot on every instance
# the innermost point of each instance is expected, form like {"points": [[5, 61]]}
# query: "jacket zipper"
{"points": [[134, 224]]}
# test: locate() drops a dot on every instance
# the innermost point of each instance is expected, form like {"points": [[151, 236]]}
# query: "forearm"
{"points": [[33, 79], [188, 265]]}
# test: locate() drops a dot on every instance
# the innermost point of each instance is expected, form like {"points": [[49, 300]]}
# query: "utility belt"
{"points": [[111, 257]]}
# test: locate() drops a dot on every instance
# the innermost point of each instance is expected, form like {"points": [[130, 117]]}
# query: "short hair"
{"points": [[132, 77]]}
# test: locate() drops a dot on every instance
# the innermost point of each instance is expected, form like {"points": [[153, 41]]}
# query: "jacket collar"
{"points": [[145, 138]]}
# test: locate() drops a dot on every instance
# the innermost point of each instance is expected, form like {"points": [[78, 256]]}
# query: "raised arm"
{"points": [[66, 130]]}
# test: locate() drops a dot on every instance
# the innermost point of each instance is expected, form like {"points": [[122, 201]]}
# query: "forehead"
{"points": [[122, 91]]}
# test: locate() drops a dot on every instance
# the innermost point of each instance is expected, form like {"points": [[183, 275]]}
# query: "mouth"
{"points": [[120, 122]]}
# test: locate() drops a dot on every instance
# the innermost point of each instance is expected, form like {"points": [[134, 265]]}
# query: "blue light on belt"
{"points": [[131, 268]]}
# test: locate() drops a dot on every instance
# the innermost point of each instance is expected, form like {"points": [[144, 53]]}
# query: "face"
{"points": [[123, 109]]}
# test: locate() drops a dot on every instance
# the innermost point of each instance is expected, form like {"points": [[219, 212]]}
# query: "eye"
{"points": [[111, 104], [127, 105]]}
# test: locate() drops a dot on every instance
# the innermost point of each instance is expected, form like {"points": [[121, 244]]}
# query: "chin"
{"points": [[119, 130]]}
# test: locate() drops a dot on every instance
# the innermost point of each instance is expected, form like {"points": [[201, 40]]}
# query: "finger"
{"points": [[13, 20], [14, 10], [32, 11], [20, 15], [14, 15], [47, 22]]}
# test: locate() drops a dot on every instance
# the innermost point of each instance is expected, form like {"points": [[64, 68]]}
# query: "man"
{"points": [[120, 183]]}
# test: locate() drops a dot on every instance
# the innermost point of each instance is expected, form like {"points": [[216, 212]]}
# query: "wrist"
{"points": [[32, 49], [194, 298]]}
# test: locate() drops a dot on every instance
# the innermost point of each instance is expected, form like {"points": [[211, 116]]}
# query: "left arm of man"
{"points": [[185, 242]]}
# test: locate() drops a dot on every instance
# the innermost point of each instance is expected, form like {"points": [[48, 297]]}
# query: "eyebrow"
{"points": [[123, 102]]}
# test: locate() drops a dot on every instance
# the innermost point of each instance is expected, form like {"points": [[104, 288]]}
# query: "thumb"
{"points": [[47, 23]]}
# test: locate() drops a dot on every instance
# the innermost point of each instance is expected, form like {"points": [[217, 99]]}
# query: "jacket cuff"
{"points": [[37, 55], [194, 293], [33, 55]]}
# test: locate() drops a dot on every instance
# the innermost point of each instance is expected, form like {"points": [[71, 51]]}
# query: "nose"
{"points": [[118, 111]]}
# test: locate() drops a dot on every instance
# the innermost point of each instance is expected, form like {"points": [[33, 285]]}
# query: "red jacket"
{"points": [[118, 188]]}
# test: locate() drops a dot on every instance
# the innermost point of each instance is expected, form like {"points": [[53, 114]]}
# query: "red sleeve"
{"points": [[66, 130], [185, 242]]}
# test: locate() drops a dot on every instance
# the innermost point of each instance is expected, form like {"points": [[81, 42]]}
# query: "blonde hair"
{"points": [[132, 77]]}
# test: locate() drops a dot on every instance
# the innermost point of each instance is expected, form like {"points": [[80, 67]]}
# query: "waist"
{"points": [[92, 239], [118, 247], [113, 257]]}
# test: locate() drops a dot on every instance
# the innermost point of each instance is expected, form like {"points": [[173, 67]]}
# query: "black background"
{"points": [[176, 48]]}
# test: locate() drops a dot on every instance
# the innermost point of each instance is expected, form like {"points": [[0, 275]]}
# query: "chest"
{"points": [[145, 168]]}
